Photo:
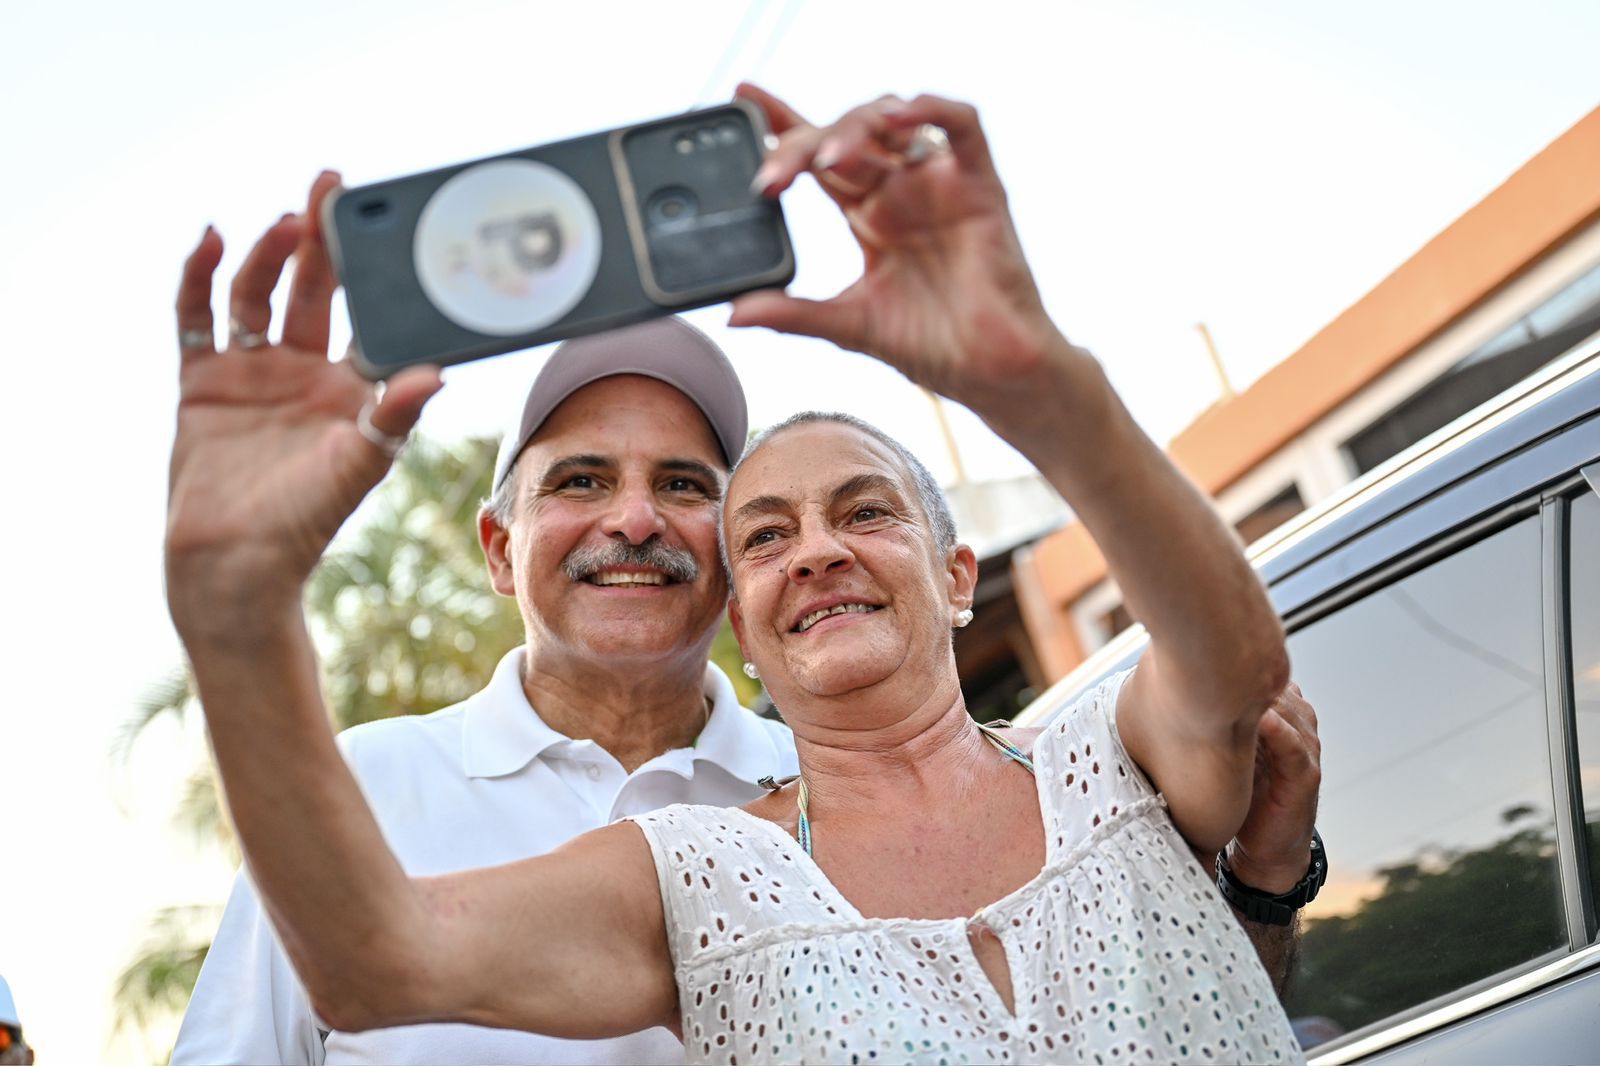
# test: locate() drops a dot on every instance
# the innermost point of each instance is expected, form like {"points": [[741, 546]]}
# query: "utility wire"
{"points": [[711, 91], [741, 33]]}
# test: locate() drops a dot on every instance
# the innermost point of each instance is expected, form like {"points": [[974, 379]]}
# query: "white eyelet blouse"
{"points": [[1120, 950]]}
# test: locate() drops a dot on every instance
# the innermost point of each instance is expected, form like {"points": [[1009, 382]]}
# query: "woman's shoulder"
{"points": [[1081, 749], [1091, 712]]}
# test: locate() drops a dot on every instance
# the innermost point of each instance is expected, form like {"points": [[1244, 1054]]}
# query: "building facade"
{"points": [[1496, 296]]}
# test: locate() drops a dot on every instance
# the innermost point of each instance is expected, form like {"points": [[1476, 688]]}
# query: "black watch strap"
{"points": [[1268, 909]]}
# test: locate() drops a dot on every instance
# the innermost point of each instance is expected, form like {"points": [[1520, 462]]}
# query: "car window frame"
{"points": [[1348, 554]]}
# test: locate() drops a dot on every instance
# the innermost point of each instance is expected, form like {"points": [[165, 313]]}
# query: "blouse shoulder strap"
{"points": [[1086, 774]]}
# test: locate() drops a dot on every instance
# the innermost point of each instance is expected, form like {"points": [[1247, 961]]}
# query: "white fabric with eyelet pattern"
{"points": [[1120, 950]]}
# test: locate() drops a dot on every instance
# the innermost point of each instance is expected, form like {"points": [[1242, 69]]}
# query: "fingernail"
{"points": [[765, 176], [827, 155], [208, 231]]}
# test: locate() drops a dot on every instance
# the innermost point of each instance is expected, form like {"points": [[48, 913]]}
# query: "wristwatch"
{"points": [[1268, 909]]}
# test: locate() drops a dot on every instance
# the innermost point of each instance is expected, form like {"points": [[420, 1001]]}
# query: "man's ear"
{"points": [[736, 620], [495, 540], [963, 577]]}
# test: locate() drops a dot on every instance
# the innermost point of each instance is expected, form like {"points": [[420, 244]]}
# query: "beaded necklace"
{"points": [[990, 733]]}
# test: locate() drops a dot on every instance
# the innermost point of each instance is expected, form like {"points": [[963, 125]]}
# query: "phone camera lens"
{"points": [[728, 133], [373, 212], [683, 143], [672, 204], [706, 137]]}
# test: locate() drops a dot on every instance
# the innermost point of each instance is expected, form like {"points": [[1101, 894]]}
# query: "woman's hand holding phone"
{"points": [[275, 444]]}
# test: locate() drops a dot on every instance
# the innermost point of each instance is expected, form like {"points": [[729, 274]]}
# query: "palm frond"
{"points": [[173, 695], [160, 978]]}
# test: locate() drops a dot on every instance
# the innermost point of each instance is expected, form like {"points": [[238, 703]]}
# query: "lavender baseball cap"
{"points": [[667, 349]]}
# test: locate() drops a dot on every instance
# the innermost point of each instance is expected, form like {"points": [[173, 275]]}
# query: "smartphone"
{"points": [[556, 241]]}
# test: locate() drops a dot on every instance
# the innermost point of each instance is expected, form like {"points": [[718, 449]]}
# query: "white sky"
{"points": [[1254, 165]]}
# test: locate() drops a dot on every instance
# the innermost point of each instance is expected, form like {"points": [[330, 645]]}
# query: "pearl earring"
{"points": [[751, 672], [963, 618]]}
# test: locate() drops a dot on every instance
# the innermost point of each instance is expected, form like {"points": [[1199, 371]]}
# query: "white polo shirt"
{"points": [[480, 783]]}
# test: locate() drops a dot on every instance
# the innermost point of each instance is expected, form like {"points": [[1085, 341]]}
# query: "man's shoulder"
{"points": [[771, 728], [405, 735], [758, 729]]}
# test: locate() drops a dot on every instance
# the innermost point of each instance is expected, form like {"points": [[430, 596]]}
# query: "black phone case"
{"points": [[638, 179]]}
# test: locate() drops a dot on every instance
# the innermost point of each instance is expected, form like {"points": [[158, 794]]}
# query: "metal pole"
{"points": [[949, 437], [1228, 392]]}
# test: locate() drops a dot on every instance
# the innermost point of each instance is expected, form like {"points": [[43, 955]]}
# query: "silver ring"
{"points": [[387, 443], [239, 337], [195, 338], [926, 140]]}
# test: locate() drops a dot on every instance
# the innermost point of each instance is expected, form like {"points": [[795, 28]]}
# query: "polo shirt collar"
{"points": [[502, 733], [734, 738]]}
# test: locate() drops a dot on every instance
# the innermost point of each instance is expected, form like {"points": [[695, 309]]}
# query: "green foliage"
{"points": [[159, 980], [405, 620], [172, 695], [1438, 924]]}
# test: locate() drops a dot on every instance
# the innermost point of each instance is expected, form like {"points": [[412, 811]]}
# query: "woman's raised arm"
{"points": [[270, 457], [947, 297]]}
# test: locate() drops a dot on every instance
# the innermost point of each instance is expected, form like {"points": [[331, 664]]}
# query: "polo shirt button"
{"points": [[593, 771]]}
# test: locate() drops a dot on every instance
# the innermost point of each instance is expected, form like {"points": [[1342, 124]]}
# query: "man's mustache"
{"points": [[676, 563]]}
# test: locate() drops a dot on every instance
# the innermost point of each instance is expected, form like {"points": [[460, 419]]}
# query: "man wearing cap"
{"points": [[602, 525], [14, 1051]]}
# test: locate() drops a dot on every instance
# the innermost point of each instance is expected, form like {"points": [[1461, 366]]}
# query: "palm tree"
{"points": [[404, 624]]}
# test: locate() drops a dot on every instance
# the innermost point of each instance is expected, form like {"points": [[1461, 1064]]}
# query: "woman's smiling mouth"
{"points": [[839, 608]]}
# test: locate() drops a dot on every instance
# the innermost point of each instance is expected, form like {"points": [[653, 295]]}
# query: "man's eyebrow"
{"points": [[703, 471], [570, 463]]}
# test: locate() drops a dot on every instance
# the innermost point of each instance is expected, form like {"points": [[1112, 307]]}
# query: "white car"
{"points": [[1444, 619]]}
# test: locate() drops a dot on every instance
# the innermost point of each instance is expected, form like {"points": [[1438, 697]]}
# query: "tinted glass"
{"points": [[1585, 601], [1436, 803]]}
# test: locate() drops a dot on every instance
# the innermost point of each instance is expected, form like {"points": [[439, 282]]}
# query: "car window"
{"points": [[1584, 573], [1436, 802]]}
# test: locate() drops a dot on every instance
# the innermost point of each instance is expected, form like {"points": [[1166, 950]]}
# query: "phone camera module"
{"points": [[728, 133], [672, 205], [683, 143]]}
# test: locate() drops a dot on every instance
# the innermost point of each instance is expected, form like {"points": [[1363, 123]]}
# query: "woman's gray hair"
{"points": [[941, 522]]}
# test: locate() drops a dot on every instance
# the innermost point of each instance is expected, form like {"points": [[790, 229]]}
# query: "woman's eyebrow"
{"points": [[761, 505], [867, 483], [768, 504]]}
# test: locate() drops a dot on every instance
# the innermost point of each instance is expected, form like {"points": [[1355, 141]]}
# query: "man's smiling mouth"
{"points": [[627, 578], [842, 608]]}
